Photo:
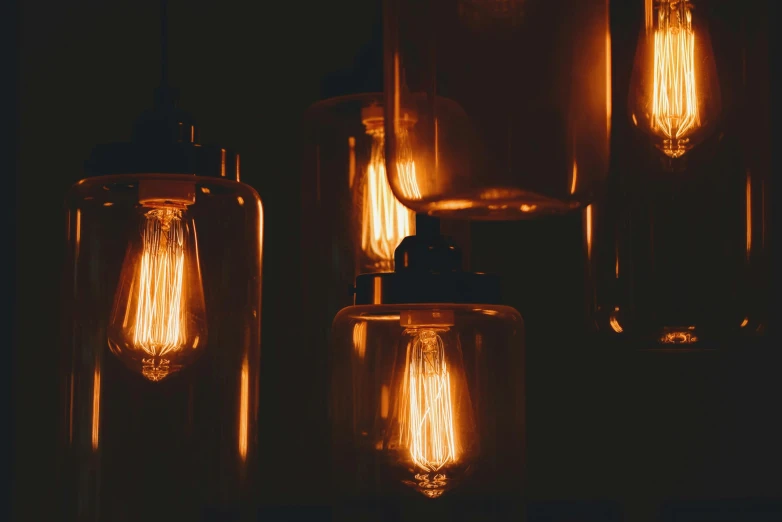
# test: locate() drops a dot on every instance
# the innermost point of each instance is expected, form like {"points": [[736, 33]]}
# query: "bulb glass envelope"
{"points": [[675, 92], [512, 102], [162, 347]]}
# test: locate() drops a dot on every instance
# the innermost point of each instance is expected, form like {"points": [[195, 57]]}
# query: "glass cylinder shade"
{"points": [[679, 249], [427, 398], [347, 200], [348, 138], [162, 351], [507, 105]]}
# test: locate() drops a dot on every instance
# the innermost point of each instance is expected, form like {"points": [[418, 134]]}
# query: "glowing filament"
{"points": [[429, 432], [160, 320], [384, 221], [675, 101]]}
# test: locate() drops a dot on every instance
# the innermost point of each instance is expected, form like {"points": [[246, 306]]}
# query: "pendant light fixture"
{"points": [[427, 379], [162, 313], [507, 105], [679, 249]]}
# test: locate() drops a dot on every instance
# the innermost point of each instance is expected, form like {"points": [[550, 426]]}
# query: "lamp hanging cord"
{"points": [[164, 44]]}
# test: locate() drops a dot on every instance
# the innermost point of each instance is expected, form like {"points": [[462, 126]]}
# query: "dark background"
{"points": [[613, 434]]}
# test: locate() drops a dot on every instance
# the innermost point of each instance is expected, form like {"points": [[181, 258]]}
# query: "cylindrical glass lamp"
{"points": [[162, 315], [679, 248], [507, 105], [427, 382]]}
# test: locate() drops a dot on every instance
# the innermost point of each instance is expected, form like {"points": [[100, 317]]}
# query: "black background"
{"points": [[613, 435]]}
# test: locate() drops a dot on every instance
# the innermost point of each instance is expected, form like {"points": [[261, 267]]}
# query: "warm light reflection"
{"points": [[675, 97], [676, 335], [384, 220], [608, 84], [78, 232], [613, 321], [384, 396], [360, 339], [574, 177], [428, 429], [244, 408], [745, 322], [96, 408], [588, 230], [455, 204], [749, 214], [649, 14]]}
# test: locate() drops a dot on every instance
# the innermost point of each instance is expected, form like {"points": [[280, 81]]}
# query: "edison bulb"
{"points": [[158, 320], [384, 220], [435, 440], [674, 94]]}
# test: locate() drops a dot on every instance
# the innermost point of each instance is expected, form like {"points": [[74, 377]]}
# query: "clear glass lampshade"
{"points": [[427, 397], [162, 347], [679, 250], [507, 105]]}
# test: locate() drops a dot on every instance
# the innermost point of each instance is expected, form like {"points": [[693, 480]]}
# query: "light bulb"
{"points": [[384, 220], [158, 321], [674, 94], [435, 439]]}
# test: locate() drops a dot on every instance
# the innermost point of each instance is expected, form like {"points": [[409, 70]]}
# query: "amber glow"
{"points": [[158, 316], [428, 414], [675, 335], [608, 84], [384, 220], [78, 232], [675, 96], [244, 408], [384, 401], [360, 339], [588, 230], [613, 321], [574, 177], [96, 409], [160, 324]]}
